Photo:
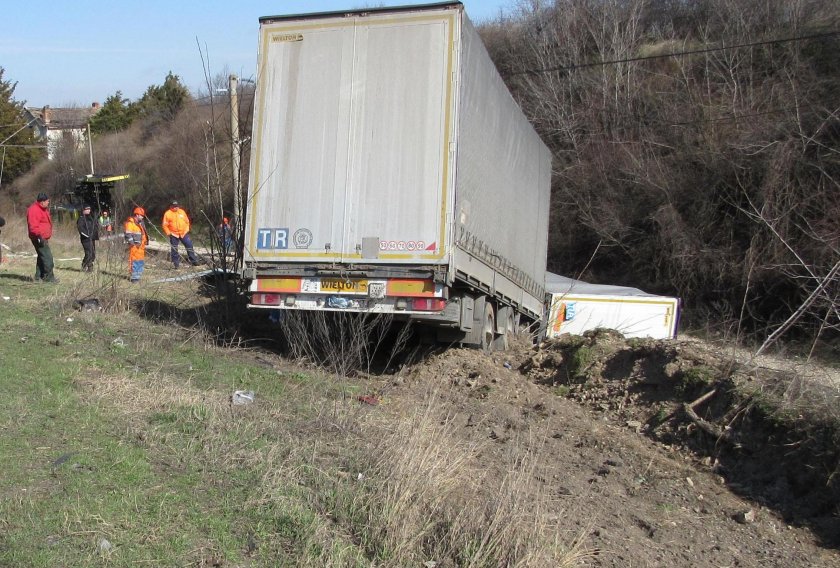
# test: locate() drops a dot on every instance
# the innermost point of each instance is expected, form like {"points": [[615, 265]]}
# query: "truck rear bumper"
{"points": [[433, 310]]}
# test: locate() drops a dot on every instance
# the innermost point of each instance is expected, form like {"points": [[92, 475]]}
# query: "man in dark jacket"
{"points": [[89, 234], [39, 223]]}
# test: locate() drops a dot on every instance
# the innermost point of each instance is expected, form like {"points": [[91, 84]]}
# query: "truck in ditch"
{"points": [[392, 172]]}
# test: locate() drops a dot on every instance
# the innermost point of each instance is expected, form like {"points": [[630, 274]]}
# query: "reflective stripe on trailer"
{"points": [[278, 285], [396, 287], [413, 288]]}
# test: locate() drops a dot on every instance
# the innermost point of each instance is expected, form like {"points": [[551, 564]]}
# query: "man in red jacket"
{"points": [[40, 231]]}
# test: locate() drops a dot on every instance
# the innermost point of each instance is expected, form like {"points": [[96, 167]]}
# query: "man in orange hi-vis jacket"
{"points": [[176, 226], [136, 237]]}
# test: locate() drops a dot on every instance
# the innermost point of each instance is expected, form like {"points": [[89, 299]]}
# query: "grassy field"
{"points": [[120, 445], [119, 442]]}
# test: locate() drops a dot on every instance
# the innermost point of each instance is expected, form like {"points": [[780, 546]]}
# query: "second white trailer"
{"points": [[576, 307]]}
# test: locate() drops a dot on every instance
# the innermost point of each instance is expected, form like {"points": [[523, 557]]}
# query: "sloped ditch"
{"points": [[773, 437]]}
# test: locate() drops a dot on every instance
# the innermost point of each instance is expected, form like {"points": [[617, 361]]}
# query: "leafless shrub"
{"points": [[345, 343], [107, 295]]}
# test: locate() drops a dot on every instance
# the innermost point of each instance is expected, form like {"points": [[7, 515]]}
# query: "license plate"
{"points": [[344, 286], [376, 290]]}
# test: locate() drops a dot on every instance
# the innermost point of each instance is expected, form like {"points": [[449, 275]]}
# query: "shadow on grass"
{"points": [[227, 321], [19, 277], [222, 319]]}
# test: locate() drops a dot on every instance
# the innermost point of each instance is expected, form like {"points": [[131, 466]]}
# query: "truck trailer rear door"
{"points": [[299, 167], [353, 132], [401, 127]]}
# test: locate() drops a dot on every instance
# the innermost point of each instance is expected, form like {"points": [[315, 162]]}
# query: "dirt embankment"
{"points": [[652, 453]]}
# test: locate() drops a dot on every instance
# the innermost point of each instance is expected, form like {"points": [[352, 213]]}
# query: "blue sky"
{"points": [[75, 52]]}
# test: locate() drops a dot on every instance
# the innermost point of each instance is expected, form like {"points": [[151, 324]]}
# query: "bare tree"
{"points": [[696, 142]]}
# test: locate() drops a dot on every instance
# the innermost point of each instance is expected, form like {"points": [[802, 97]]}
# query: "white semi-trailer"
{"points": [[392, 172]]}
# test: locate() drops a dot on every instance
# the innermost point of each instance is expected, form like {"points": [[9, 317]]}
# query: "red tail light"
{"points": [[266, 299], [428, 304]]}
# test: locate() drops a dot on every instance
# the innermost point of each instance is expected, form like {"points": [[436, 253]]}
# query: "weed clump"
{"points": [[693, 380]]}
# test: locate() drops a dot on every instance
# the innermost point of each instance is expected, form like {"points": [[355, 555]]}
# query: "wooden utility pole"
{"points": [[234, 147]]}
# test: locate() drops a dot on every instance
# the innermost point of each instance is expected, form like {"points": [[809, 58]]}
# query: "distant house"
{"points": [[60, 126]]}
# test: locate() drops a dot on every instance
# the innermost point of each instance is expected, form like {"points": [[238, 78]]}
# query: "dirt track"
{"points": [[634, 498]]}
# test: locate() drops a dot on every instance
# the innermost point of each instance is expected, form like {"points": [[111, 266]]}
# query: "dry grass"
{"points": [[426, 498], [223, 442], [423, 497], [14, 237], [137, 397]]}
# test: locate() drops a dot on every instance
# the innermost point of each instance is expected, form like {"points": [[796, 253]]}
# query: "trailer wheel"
{"points": [[488, 327]]}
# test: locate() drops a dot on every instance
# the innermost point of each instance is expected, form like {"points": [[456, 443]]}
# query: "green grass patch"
{"points": [[580, 361], [562, 391], [120, 448], [695, 379]]}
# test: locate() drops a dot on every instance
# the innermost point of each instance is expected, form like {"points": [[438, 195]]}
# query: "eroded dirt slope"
{"points": [[642, 478]]}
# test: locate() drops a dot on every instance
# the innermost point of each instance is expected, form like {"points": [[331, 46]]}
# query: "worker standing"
{"points": [[137, 238], [176, 226], [105, 224], [39, 223], [88, 233], [225, 232]]}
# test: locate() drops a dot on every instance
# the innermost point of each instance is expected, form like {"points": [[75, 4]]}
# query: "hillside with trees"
{"points": [[173, 144], [695, 150]]}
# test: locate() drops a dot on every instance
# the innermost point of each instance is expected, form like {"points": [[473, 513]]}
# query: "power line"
{"points": [[16, 131], [675, 54], [799, 109], [641, 123]]}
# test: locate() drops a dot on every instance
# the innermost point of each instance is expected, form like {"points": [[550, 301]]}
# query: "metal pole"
{"points": [[234, 147], [90, 148], [2, 163]]}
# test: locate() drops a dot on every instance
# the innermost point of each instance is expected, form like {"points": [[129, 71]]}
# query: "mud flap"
{"points": [[467, 313], [504, 315]]}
